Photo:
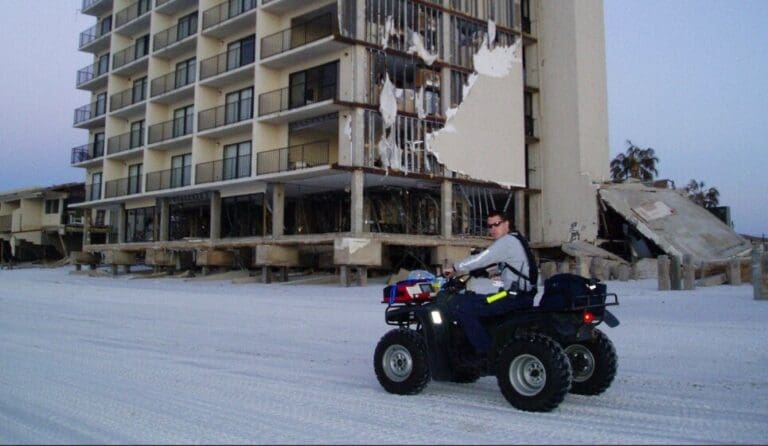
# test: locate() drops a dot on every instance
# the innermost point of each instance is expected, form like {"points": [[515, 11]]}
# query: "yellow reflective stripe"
{"points": [[494, 297]]}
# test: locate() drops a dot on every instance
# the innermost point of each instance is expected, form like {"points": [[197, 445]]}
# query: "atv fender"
{"points": [[436, 336]]}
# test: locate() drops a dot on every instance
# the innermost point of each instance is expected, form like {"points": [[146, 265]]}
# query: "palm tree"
{"points": [[706, 198], [636, 163]]}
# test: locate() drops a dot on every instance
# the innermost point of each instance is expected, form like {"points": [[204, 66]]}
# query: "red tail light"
{"points": [[588, 317]]}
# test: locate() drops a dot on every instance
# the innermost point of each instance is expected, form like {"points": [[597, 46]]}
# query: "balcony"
{"points": [[131, 60], [172, 7], [93, 192], [93, 77], [298, 102], [91, 116], [171, 134], [226, 169], [228, 67], [530, 129], [230, 17], [169, 179], [122, 187], [175, 41], [174, 87], [296, 157], [280, 7], [87, 154], [96, 7], [6, 223], [126, 144], [96, 38], [133, 18], [226, 120], [128, 103], [290, 46]]}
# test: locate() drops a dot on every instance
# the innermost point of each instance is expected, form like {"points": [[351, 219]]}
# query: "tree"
{"points": [[636, 162], [706, 198]]}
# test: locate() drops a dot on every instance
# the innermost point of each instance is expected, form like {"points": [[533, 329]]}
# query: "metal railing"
{"points": [[127, 97], [132, 12], [225, 115], [174, 128], [296, 36], [226, 10], [87, 152], [169, 179], [296, 157], [227, 61], [88, 3], [159, 3], [91, 72], [127, 141], [223, 170], [93, 192], [128, 55], [529, 126], [174, 34], [173, 81], [122, 187], [293, 97], [93, 33], [90, 111]]}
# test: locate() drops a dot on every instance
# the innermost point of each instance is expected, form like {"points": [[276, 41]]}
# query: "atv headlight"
{"points": [[437, 319]]}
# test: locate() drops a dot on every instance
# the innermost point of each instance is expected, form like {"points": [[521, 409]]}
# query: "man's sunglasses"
{"points": [[495, 225]]}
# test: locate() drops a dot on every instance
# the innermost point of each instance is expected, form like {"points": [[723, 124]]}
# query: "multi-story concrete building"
{"points": [[254, 126]]}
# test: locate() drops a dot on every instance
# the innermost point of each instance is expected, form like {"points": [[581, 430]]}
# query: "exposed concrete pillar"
{"points": [[215, 215], [757, 274], [344, 275], [87, 226], [278, 209], [689, 272], [446, 211], [675, 273], [520, 211], [663, 269], [734, 271], [121, 224], [624, 272], [165, 219], [356, 211]]}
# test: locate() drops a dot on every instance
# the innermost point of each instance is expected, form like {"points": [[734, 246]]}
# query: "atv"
{"points": [[538, 354]]}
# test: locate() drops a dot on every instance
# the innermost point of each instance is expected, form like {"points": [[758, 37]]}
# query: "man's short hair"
{"points": [[501, 214]]}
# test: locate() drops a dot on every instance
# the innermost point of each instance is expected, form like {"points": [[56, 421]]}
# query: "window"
{"points": [[134, 178], [241, 52], [52, 206], [142, 7], [181, 170], [140, 225], [141, 48], [187, 26], [185, 73], [237, 160], [137, 134], [101, 104], [139, 90], [98, 144], [237, 7], [313, 85], [103, 65], [243, 216], [105, 25], [239, 106], [95, 192], [182, 120], [100, 217]]}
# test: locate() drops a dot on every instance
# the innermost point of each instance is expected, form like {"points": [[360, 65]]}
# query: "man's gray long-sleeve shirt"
{"points": [[507, 249]]}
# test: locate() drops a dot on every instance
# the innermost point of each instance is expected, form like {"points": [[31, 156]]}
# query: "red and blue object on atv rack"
{"points": [[408, 291]]}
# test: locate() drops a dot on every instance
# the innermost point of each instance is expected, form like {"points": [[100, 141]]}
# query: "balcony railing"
{"points": [[173, 81], [94, 32], [91, 72], [529, 126], [90, 111], [127, 97], [227, 61], [87, 152], [127, 141], [88, 3], [169, 179], [132, 12], [175, 34], [292, 158], [175, 128], [225, 115], [226, 10], [122, 187], [130, 54], [223, 170], [93, 192], [294, 96], [297, 36]]}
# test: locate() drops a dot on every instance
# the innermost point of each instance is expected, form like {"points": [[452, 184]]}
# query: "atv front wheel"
{"points": [[533, 373], [400, 362], [594, 364]]}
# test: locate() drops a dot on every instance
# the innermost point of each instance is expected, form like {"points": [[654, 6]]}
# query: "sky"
{"points": [[688, 78]]}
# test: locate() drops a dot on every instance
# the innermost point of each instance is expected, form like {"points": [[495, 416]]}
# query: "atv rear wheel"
{"points": [[533, 373], [594, 364], [400, 362]]}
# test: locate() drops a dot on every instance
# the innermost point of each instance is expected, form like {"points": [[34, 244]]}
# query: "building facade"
{"points": [[256, 125]]}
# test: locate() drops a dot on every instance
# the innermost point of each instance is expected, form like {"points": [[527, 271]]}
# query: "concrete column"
{"points": [[689, 272], [356, 211], [520, 211], [165, 219], [675, 273], [87, 226], [121, 224], [757, 274], [278, 209], [446, 204], [663, 269], [734, 271], [215, 215], [344, 275]]}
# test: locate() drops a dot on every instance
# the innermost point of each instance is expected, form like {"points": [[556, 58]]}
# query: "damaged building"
{"points": [[348, 134]]}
